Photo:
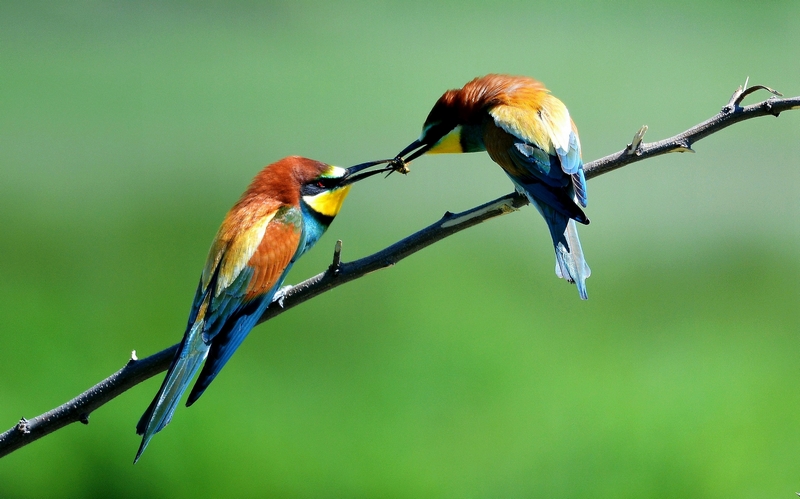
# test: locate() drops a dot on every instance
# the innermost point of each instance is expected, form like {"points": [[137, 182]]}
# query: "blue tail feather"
{"points": [[191, 355], [192, 351], [230, 335], [570, 262]]}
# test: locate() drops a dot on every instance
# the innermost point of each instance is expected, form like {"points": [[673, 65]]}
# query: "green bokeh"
{"points": [[468, 370]]}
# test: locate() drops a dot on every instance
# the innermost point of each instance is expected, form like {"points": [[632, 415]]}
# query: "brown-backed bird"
{"points": [[279, 217], [529, 133]]}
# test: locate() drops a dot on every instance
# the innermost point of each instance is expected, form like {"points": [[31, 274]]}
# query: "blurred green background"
{"points": [[127, 129]]}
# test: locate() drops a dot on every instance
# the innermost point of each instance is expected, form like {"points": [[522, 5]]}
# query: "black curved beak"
{"points": [[353, 176], [398, 163], [419, 149]]}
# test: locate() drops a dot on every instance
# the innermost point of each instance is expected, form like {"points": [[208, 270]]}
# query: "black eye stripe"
{"points": [[311, 190], [319, 185], [435, 131]]}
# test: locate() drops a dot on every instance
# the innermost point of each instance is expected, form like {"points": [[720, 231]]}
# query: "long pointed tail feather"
{"points": [[570, 262], [191, 355]]}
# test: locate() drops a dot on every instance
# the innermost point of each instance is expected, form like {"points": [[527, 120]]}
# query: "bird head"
{"points": [[441, 132], [324, 187], [321, 186], [325, 191], [454, 125]]}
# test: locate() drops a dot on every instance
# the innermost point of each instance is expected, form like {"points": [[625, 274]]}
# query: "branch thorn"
{"points": [[84, 418], [336, 265], [743, 91], [633, 147], [134, 358]]}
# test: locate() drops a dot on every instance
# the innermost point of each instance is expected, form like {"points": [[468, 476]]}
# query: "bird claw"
{"points": [[280, 295]]}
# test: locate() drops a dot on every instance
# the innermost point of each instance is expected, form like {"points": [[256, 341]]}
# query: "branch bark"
{"points": [[136, 371]]}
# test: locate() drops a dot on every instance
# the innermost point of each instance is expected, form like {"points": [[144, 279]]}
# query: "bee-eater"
{"points": [[530, 134], [279, 217]]}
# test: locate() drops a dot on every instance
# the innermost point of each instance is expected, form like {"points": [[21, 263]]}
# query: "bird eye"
{"points": [[321, 184]]}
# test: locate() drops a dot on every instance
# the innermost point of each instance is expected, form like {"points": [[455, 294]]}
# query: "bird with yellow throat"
{"points": [[529, 133], [283, 213]]}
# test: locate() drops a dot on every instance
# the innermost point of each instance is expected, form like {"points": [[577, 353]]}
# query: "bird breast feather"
{"points": [[257, 237]]}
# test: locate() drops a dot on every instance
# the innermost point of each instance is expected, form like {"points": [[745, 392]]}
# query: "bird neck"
{"points": [[314, 225], [472, 138], [462, 138]]}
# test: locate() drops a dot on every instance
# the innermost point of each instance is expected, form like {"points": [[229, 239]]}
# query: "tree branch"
{"points": [[136, 371]]}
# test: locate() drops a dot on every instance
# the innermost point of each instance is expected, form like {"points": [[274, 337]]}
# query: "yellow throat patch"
{"points": [[450, 143], [328, 203]]}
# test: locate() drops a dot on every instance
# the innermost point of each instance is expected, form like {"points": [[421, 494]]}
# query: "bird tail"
{"points": [[192, 352], [570, 263]]}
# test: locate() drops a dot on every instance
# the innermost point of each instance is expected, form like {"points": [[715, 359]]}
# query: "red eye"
{"points": [[320, 184]]}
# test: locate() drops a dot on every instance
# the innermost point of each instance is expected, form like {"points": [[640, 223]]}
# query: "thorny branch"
{"points": [[136, 371]]}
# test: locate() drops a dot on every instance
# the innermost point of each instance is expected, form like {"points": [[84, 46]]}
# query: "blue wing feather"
{"points": [[225, 304], [579, 185], [219, 324], [191, 352], [571, 158], [231, 335], [545, 180], [555, 192], [214, 336], [572, 164], [234, 329]]}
